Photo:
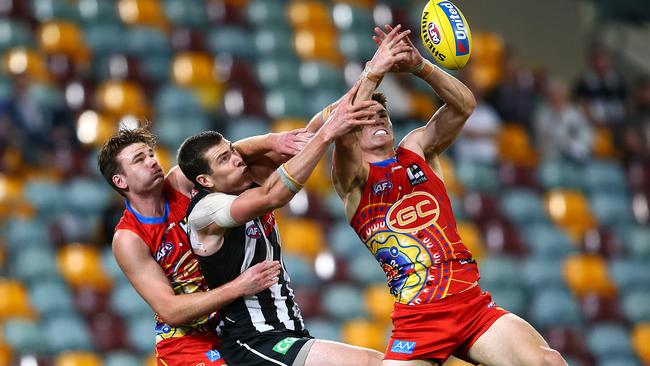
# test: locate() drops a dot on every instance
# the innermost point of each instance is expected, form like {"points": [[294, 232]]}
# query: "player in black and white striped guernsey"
{"points": [[232, 227]]}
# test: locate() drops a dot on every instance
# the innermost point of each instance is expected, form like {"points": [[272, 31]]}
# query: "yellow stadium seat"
{"points": [[209, 96], [309, 14], [364, 333], [319, 182], [164, 157], [379, 303], [14, 300], [641, 342], [570, 210], [452, 184], [287, 124], [193, 69], [515, 147], [587, 273], [5, 355], [488, 48], [151, 361], [81, 266], [22, 61], [63, 37], [94, 128], [302, 237], [485, 76], [119, 98], [317, 44], [142, 12], [604, 144], [11, 196], [422, 105], [471, 237], [78, 359]]}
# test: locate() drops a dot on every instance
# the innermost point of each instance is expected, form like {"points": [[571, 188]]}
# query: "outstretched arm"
{"points": [[148, 279], [459, 103]]}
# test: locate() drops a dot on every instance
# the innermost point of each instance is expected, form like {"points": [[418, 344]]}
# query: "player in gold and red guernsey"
{"points": [[396, 201], [151, 245]]}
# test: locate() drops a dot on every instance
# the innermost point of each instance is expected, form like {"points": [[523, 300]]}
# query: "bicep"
{"points": [[441, 130], [142, 271]]}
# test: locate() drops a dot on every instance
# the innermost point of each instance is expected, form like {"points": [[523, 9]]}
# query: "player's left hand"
{"points": [[413, 57], [291, 142]]}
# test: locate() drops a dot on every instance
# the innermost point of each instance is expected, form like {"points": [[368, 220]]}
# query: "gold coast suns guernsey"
{"points": [[167, 239], [405, 220]]}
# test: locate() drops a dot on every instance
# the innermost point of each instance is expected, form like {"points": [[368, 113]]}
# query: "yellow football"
{"points": [[446, 34]]}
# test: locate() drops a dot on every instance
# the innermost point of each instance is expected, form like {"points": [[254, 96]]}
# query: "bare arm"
{"points": [[178, 180], [149, 280]]}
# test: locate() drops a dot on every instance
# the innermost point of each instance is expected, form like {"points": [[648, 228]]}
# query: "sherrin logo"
{"points": [[413, 212], [460, 31]]}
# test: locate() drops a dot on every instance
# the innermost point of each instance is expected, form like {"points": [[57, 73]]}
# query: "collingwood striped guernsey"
{"points": [[273, 309]]}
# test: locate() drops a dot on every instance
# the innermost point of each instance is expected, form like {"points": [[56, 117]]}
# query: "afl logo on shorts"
{"points": [[434, 33], [252, 231], [413, 212]]}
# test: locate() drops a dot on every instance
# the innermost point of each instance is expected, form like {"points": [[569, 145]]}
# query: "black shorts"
{"points": [[272, 348]]}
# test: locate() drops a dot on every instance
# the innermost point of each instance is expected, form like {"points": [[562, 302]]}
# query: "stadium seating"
{"points": [[563, 243]]}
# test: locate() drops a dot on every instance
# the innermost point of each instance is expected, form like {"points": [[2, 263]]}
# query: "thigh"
{"points": [[509, 341], [323, 353], [409, 363]]}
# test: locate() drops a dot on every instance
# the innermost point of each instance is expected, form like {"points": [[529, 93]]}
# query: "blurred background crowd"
{"points": [[550, 178]]}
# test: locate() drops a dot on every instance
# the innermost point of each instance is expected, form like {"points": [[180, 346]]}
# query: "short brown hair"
{"points": [[191, 155], [380, 98], [107, 159]]}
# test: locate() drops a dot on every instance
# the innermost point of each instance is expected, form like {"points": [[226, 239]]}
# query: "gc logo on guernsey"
{"points": [[413, 212]]}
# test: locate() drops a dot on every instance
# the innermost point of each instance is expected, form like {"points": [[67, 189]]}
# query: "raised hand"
{"points": [[393, 49], [347, 116], [413, 57], [257, 278], [291, 142]]}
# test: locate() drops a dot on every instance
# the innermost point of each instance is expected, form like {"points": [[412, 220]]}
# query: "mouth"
{"points": [[380, 132]]}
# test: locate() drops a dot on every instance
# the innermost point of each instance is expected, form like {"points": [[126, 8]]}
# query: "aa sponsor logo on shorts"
{"points": [[283, 346], [213, 355], [403, 347]]}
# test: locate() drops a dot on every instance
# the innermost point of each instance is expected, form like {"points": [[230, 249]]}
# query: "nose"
{"points": [[237, 160], [152, 162]]}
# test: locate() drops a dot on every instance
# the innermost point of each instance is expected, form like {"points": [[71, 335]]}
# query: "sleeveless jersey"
{"points": [[405, 220], [166, 237], [273, 309]]}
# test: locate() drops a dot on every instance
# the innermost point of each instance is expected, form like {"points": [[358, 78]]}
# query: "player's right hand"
{"points": [[393, 49], [346, 117], [258, 277]]}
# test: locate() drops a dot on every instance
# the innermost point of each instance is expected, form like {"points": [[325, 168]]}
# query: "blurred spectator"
{"points": [[601, 90], [477, 141], [560, 127], [636, 137], [514, 98], [35, 124]]}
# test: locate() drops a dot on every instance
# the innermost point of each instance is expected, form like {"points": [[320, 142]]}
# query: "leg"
{"points": [[511, 341], [323, 353]]}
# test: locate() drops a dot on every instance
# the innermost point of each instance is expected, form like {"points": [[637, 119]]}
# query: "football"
{"points": [[445, 34]]}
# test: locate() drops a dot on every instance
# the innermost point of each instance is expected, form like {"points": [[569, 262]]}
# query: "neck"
{"points": [[150, 204], [378, 154]]}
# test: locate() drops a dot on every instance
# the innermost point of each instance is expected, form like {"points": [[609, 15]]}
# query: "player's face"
{"points": [[379, 134], [141, 172], [229, 171]]}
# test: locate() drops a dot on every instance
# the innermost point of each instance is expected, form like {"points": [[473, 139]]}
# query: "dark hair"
{"points": [[381, 98], [191, 155], [107, 158]]}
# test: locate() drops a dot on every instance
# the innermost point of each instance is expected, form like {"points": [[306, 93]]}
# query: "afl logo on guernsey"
{"points": [[413, 212], [252, 231], [382, 187], [457, 24], [164, 251]]}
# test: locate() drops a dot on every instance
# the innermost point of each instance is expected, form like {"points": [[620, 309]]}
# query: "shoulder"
{"points": [[177, 181], [201, 214], [125, 240]]}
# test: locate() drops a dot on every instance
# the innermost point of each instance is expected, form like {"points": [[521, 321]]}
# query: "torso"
{"points": [[166, 237], [242, 247], [405, 219]]}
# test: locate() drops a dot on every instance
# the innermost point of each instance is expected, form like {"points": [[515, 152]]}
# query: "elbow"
{"points": [[469, 104], [172, 318]]}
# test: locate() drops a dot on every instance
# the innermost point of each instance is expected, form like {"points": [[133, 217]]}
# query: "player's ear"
{"points": [[119, 180], [205, 180]]}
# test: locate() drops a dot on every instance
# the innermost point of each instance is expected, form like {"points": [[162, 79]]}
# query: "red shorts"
{"points": [[190, 350], [442, 328]]}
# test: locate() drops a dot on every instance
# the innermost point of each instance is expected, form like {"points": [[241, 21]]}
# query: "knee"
{"points": [[551, 357]]}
